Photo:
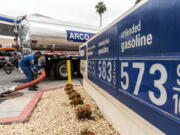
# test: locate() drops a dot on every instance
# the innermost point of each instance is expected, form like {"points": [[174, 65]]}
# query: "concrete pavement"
{"points": [[19, 108]]}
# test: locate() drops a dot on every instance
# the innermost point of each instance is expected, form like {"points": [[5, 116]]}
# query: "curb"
{"points": [[25, 114]]}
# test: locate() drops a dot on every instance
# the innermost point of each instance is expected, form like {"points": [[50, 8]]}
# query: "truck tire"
{"points": [[8, 68], [61, 71]]}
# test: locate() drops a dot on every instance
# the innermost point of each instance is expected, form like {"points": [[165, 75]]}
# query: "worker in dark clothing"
{"points": [[29, 65]]}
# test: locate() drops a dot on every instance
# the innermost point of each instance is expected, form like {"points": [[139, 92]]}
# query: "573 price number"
{"points": [[159, 91]]}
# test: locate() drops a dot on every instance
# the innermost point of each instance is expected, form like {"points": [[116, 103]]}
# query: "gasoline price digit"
{"points": [[125, 76], [177, 104], [178, 73], [109, 75], [99, 69], [139, 66], [104, 70], [159, 84]]}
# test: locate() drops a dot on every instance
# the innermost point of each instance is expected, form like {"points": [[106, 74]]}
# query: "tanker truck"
{"points": [[57, 40]]}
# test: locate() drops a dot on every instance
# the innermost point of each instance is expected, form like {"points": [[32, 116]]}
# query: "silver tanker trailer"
{"points": [[57, 40]]}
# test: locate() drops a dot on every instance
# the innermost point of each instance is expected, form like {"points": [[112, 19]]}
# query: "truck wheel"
{"points": [[8, 68], [61, 71]]}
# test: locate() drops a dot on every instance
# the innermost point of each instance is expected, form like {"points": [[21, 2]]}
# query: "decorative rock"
{"points": [[53, 117]]}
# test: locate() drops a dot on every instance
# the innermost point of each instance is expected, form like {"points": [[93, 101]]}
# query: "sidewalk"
{"points": [[19, 108]]}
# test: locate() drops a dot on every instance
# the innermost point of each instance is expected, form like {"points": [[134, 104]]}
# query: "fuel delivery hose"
{"points": [[15, 88], [41, 77]]}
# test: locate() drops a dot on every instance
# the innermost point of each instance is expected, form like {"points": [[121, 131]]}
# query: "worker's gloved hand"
{"points": [[39, 72], [38, 68], [35, 73]]}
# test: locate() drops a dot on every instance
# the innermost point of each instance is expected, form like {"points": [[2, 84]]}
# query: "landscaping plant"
{"points": [[74, 95], [76, 101], [83, 111]]}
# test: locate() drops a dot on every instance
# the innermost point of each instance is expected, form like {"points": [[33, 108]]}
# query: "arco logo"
{"points": [[77, 36]]}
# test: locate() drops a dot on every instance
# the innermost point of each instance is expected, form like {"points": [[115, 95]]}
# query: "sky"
{"points": [[79, 11]]}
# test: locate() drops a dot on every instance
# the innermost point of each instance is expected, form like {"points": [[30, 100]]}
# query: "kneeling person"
{"points": [[29, 65]]}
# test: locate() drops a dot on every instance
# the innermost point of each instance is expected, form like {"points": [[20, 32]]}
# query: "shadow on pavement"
{"points": [[1, 100]]}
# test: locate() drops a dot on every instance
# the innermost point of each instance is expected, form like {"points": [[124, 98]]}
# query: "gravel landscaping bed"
{"points": [[54, 115]]}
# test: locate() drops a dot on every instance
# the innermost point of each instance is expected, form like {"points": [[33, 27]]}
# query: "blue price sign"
{"points": [[103, 73], [92, 69], [137, 61], [92, 50], [104, 46], [155, 83], [102, 60]]}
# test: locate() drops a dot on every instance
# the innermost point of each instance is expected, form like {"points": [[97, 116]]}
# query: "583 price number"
{"points": [[157, 84], [107, 71], [103, 70]]}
